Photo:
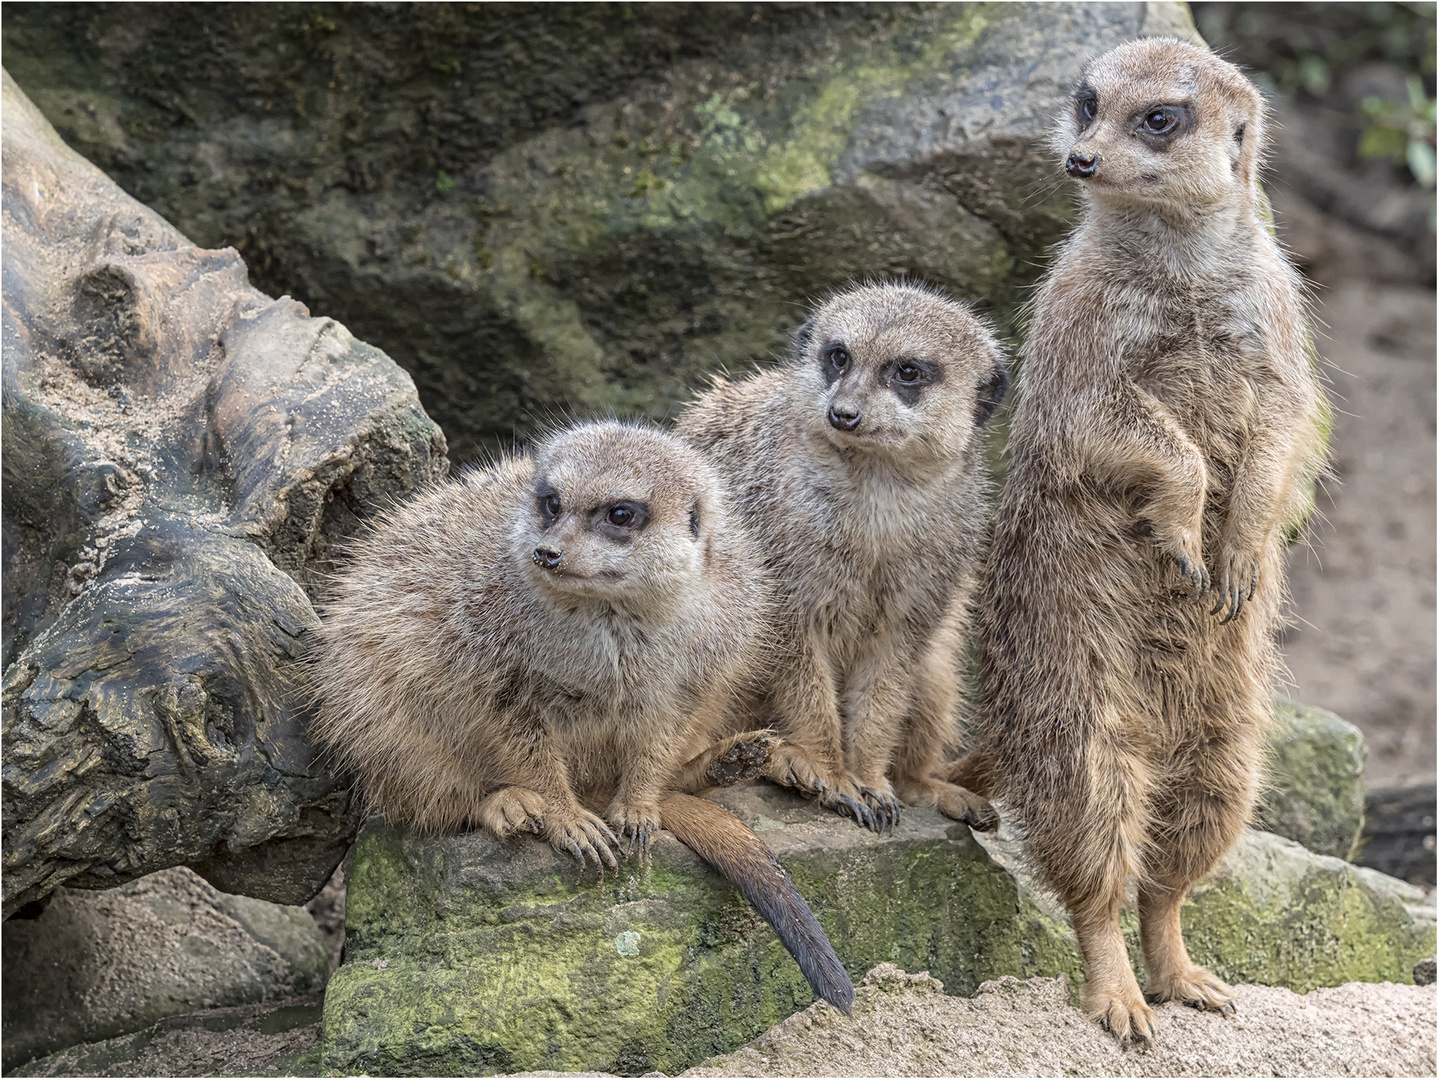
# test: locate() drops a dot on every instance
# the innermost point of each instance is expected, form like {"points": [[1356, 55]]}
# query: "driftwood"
{"points": [[183, 457]]}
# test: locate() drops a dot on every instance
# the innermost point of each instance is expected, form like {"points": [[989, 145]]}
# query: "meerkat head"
{"points": [[899, 370], [1160, 121], [616, 511]]}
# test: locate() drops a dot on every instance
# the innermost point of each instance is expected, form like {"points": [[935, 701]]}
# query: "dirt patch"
{"points": [[904, 1025]]}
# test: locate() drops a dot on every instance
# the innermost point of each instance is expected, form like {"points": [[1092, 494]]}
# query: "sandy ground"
{"points": [[1364, 641], [903, 1025]]}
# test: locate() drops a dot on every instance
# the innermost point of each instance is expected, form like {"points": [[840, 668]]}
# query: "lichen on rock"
{"points": [[468, 954]]}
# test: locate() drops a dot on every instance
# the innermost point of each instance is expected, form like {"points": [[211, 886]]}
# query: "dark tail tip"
{"points": [[722, 840]]}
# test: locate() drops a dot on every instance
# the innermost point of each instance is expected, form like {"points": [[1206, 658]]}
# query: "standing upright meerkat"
{"points": [[552, 644], [859, 465], [1167, 435]]}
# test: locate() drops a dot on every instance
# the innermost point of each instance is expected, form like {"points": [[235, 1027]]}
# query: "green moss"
{"points": [[1315, 793], [470, 955]]}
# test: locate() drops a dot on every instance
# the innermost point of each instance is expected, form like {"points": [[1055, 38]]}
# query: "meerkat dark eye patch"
{"points": [[1159, 125], [1086, 107], [991, 394], [909, 377], [548, 502], [834, 359], [618, 520]]}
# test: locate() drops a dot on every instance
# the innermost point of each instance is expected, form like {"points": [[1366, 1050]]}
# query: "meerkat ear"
{"points": [[800, 339], [991, 394], [695, 521]]}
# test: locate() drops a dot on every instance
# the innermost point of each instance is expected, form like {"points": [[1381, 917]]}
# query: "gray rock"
{"points": [[1424, 972], [465, 953], [99, 964], [1315, 793], [537, 210], [181, 455]]}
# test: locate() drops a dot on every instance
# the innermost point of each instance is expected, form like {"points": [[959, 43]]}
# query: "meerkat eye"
{"points": [[627, 516], [1159, 121], [1087, 106], [550, 505], [838, 357], [908, 373]]}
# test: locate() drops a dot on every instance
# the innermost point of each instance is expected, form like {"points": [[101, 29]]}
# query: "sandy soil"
{"points": [[903, 1025], [1363, 642], [1364, 593]]}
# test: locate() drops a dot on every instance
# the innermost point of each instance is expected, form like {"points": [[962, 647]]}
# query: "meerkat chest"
{"points": [[870, 570], [1201, 351]]}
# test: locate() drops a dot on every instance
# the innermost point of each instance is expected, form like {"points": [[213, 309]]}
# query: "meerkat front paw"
{"points": [[1238, 580], [583, 835], [636, 825], [873, 805], [1187, 554], [1195, 987], [511, 808]]}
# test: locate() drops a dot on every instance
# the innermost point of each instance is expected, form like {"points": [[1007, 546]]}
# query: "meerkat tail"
{"points": [[721, 839]]}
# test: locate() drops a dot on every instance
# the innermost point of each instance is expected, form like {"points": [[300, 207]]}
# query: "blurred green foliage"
{"points": [[1310, 49]]}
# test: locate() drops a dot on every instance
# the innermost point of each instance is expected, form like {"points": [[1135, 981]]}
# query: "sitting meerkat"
{"points": [[552, 644], [1166, 439], [859, 466]]}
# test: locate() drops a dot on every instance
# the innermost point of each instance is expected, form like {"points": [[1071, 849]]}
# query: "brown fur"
{"points": [[873, 533], [1166, 435], [504, 653], [468, 685]]}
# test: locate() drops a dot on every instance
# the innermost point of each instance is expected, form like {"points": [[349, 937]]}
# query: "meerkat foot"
{"points": [[1121, 1011], [585, 836], [636, 827], [872, 805], [739, 758], [789, 766], [952, 800], [1195, 987], [512, 808]]}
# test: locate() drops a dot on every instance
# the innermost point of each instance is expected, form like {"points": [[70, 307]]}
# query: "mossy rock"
{"points": [[1315, 793], [469, 955], [582, 208]]}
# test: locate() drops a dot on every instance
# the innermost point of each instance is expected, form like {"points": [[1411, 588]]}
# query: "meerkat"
{"points": [[552, 644], [859, 466], [1166, 439]]}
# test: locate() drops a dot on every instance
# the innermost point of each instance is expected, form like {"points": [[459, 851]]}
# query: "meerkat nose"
{"points": [[1081, 167], [844, 417], [548, 558]]}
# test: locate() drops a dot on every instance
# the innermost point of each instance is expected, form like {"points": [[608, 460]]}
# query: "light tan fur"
{"points": [[1167, 434], [858, 463], [465, 683]]}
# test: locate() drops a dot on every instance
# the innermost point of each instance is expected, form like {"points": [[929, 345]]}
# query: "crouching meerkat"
{"points": [[859, 466], [1166, 438], [552, 644]]}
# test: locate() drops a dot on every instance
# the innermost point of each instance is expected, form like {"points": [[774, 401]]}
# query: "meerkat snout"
{"points": [[1079, 166], [548, 558], [844, 417]]}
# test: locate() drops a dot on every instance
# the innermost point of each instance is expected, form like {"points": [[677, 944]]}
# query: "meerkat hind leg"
{"points": [[1111, 993], [1172, 975]]}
